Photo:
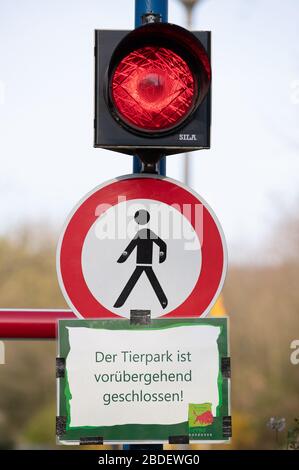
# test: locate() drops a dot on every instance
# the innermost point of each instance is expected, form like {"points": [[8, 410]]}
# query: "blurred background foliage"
{"points": [[262, 301]]}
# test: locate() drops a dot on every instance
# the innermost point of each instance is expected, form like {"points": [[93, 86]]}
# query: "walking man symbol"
{"points": [[143, 242]]}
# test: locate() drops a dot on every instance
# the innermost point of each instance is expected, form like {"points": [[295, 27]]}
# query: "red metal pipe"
{"points": [[31, 323]]}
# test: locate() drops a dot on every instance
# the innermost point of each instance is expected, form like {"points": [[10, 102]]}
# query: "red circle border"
{"points": [[70, 275]]}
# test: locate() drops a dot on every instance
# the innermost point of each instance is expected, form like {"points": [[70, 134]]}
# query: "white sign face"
{"points": [[120, 377], [159, 271]]}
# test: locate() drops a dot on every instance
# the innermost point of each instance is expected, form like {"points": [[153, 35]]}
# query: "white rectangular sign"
{"points": [[167, 376]]}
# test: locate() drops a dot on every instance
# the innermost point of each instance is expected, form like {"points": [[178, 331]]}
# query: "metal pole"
{"points": [[29, 323], [141, 7], [150, 6]]}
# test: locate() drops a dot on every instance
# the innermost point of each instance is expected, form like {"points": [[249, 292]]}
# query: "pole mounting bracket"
{"points": [[151, 17]]}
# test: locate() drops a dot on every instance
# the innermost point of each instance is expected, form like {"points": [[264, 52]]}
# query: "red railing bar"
{"points": [[31, 323]]}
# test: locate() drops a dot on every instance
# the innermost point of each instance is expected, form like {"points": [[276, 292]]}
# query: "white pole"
{"points": [[187, 163]]}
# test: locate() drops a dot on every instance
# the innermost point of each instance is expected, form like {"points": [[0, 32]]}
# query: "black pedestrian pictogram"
{"points": [[143, 242]]}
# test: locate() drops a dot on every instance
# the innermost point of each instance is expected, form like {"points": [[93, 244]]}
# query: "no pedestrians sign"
{"points": [[141, 242]]}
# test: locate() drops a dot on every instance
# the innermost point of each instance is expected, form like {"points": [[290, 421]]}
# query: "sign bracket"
{"points": [[140, 317], [178, 439]]}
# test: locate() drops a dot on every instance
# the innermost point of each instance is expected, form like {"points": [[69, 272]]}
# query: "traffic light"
{"points": [[152, 90]]}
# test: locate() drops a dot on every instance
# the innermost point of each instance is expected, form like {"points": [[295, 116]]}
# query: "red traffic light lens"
{"points": [[153, 89]]}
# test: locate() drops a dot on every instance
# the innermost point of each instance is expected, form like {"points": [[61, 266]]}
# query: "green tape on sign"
{"points": [[134, 383]]}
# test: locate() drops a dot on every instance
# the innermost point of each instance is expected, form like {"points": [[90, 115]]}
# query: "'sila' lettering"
{"points": [[187, 137]]}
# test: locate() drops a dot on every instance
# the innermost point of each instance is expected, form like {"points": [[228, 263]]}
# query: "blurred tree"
{"points": [[27, 279], [40, 430], [28, 271]]}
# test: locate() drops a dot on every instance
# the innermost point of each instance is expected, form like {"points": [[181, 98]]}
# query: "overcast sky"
{"points": [[249, 177]]}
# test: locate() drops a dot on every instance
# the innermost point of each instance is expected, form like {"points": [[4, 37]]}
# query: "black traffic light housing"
{"points": [[111, 132]]}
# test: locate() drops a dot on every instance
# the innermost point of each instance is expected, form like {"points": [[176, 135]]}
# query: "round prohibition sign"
{"points": [[141, 242]]}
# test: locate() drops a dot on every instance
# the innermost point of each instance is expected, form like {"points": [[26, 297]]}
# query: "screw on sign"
{"points": [[141, 242]]}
